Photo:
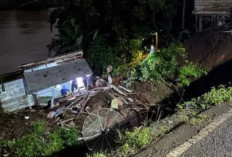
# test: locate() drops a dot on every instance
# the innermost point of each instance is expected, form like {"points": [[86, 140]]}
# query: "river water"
{"points": [[24, 36]]}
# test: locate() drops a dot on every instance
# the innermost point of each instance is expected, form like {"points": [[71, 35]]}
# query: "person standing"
{"points": [[74, 85]]}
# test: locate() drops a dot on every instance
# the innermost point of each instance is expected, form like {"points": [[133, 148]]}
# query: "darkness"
{"points": [[220, 75], [77, 151]]}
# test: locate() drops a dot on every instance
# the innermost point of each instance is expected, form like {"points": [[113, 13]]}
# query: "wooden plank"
{"points": [[211, 12], [212, 5], [63, 58]]}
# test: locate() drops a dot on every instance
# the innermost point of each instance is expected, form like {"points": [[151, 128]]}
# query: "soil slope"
{"points": [[210, 48]]}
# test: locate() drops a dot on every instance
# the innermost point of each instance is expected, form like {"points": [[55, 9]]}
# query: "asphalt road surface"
{"points": [[218, 143]]}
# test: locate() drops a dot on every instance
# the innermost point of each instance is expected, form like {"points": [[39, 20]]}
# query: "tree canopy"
{"points": [[82, 21]]}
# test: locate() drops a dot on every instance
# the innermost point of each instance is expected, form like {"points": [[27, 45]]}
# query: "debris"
{"points": [[117, 90], [115, 103], [125, 89], [26, 117], [71, 124], [98, 82], [131, 100], [75, 111], [53, 114]]}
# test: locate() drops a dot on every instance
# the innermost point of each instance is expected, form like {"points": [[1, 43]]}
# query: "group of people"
{"points": [[89, 82]]}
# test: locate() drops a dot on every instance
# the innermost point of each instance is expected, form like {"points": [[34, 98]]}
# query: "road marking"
{"points": [[176, 152]]}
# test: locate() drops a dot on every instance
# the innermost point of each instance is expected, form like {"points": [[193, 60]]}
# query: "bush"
{"points": [[134, 140], [38, 143], [2, 143], [214, 97], [161, 65], [132, 58], [98, 155], [100, 55], [38, 127], [188, 73]]}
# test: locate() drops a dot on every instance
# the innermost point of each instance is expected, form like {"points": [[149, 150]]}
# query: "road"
{"points": [[218, 143]]}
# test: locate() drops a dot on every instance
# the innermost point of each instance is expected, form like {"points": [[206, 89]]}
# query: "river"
{"points": [[24, 36]]}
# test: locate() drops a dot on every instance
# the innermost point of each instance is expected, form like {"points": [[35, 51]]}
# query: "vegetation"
{"points": [[98, 155], [189, 110], [134, 140], [214, 97], [188, 73], [40, 142], [194, 118], [117, 30], [164, 66]]}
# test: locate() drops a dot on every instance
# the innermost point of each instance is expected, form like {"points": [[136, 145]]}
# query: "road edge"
{"points": [[202, 134]]}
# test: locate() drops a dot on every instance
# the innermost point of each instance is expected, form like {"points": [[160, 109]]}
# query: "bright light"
{"points": [[58, 87], [80, 82]]}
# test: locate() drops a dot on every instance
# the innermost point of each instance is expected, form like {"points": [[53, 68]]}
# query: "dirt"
{"points": [[210, 49], [15, 125], [156, 93]]}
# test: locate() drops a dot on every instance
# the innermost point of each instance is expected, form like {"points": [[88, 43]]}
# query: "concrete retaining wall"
{"points": [[14, 97]]}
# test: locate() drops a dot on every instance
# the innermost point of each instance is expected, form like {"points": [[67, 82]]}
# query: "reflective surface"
{"points": [[24, 36]]}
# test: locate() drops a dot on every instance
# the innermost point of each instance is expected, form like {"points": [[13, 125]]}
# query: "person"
{"points": [[98, 82], [88, 82], [74, 85], [109, 74], [152, 50], [64, 91]]}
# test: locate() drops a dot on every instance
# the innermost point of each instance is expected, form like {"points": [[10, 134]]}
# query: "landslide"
{"points": [[210, 49]]}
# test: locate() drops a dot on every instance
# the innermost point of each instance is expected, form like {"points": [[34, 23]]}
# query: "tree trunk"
{"points": [[183, 16]]}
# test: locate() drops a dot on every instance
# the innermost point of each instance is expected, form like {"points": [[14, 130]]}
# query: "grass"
{"points": [[189, 111], [217, 95], [39, 142], [99, 154], [197, 120]]}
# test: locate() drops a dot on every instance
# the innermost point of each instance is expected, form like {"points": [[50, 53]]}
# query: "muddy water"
{"points": [[24, 36]]}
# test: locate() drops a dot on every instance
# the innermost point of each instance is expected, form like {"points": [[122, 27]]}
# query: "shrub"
{"points": [[37, 143], [100, 55], [38, 127], [29, 145], [188, 73], [194, 119], [132, 58], [163, 65], [98, 155], [214, 97], [2, 143], [134, 140]]}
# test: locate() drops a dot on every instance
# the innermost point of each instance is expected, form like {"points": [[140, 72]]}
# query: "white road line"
{"points": [[176, 152]]}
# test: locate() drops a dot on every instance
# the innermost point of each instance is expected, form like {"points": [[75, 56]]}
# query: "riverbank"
{"points": [[29, 4]]}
